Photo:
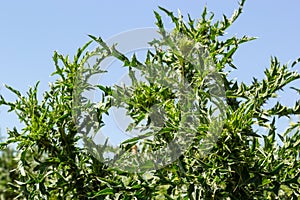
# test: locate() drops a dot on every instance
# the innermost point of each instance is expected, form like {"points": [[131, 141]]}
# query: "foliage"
{"points": [[8, 173], [51, 164]]}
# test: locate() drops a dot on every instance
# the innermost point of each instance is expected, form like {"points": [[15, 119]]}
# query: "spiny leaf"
{"points": [[80, 51], [13, 90], [295, 62], [101, 42]]}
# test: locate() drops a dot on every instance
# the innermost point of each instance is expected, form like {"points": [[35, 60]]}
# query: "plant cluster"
{"points": [[243, 163]]}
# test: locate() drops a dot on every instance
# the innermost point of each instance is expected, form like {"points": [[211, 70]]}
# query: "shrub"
{"points": [[51, 165]]}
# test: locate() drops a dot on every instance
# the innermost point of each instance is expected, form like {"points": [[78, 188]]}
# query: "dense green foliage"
{"points": [[8, 173], [49, 163]]}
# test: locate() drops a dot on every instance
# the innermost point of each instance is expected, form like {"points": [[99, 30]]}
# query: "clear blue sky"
{"points": [[31, 31]]}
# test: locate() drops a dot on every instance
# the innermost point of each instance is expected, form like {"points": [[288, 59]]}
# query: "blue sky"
{"points": [[32, 30]]}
